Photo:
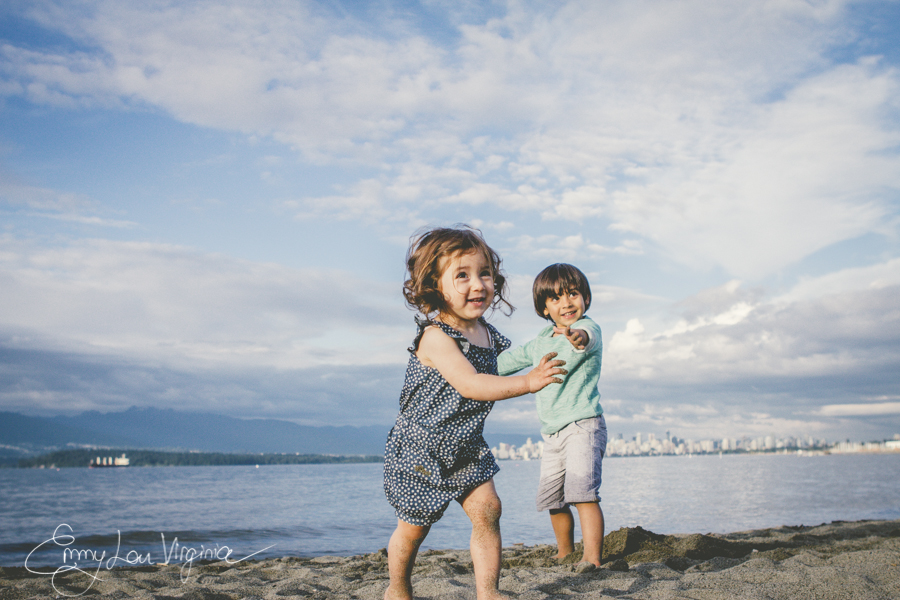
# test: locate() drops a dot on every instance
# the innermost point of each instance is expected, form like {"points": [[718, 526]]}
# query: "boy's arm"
{"points": [[439, 350], [584, 336], [579, 338], [590, 327], [513, 361]]}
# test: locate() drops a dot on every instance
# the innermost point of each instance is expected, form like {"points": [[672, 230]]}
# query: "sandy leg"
{"points": [[483, 507], [564, 529], [591, 518], [402, 550]]}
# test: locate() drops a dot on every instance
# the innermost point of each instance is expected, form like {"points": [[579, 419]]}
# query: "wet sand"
{"points": [[840, 560]]}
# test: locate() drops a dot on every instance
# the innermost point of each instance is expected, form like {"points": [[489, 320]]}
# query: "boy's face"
{"points": [[565, 309]]}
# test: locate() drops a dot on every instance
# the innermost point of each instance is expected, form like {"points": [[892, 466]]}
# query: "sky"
{"points": [[206, 205]]}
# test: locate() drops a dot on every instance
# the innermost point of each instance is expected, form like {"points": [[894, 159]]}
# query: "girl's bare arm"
{"points": [[439, 350]]}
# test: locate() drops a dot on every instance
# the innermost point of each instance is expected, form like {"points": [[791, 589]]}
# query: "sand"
{"points": [[839, 560]]}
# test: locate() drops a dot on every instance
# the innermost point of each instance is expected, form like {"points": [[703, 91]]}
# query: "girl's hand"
{"points": [[543, 374], [440, 351], [577, 337]]}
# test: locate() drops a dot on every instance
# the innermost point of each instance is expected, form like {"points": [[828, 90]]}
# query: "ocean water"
{"points": [[175, 513]]}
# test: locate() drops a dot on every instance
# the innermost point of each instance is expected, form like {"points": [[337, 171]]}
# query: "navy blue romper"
{"points": [[436, 451]]}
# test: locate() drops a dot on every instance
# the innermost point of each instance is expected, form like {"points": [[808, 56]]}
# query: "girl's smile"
{"points": [[468, 287]]}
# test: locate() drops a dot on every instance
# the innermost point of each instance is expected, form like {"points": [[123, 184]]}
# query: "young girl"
{"points": [[435, 452]]}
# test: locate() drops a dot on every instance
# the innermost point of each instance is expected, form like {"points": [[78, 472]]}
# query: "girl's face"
{"points": [[467, 285]]}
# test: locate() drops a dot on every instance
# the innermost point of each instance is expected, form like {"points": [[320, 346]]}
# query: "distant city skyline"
{"points": [[638, 445]]}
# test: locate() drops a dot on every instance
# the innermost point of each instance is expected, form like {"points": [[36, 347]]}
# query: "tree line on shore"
{"points": [[157, 458]]}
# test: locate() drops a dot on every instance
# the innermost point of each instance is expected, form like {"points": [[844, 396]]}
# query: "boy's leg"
{"points": [[402, 550], [585, 444], [483, 507], [564, 530], [590, 515], [550, 494]]}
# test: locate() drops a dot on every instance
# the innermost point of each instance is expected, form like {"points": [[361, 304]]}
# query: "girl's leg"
{"points": [[402, 550], [483, 507], [564, 529], [591, 518]]}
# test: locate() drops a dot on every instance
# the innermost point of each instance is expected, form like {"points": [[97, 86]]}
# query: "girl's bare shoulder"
{"points": [[433, 344]]}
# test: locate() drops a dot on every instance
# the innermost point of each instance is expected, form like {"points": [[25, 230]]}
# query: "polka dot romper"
{"points": [[436, 451]]}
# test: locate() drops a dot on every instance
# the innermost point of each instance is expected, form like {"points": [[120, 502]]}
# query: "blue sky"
{"points": [[206, 205]]}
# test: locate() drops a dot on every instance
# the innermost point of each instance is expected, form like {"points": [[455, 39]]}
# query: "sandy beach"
{"points": [[839, 560]]}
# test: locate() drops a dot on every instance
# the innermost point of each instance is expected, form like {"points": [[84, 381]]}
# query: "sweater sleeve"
{"points": [[594, 335], [512, 361]]}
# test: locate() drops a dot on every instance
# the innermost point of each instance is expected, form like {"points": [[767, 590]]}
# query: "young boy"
{"points": [[572, 422]]}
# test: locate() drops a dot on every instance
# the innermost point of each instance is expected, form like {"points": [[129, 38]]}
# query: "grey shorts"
{"points": [[572, 464]]}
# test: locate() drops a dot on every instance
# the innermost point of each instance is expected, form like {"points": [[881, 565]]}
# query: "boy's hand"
{"points": [[577, 337], [543, 374]]}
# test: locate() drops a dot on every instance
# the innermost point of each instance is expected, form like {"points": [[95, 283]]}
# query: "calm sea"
{"points": [[306, 510]]}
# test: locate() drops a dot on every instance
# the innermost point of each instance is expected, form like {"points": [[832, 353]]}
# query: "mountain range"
{"points": [[155, 428], [167, 429]]}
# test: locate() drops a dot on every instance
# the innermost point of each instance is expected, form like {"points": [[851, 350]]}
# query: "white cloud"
{"points": [[177, 306], [45, 203], [104, 325], [735, 361], [860, 278], [86, 220], [860, 410], [734, 347], [17, 195], [817, 168], [570, 248], [719, 132], [723, 135], [190, 329]]}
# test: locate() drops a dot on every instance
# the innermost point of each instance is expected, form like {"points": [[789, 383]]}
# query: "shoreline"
{"points": [[842, 559], [57, 460]]}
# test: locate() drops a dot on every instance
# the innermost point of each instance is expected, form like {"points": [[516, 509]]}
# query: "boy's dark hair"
{"points": [[427, 248], [556, 280]]}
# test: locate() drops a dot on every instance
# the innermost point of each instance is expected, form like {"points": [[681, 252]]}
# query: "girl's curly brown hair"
{"points": [[427, 248]]}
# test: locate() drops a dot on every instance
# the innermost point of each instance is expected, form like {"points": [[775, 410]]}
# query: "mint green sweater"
{"points": [[577, 397]]}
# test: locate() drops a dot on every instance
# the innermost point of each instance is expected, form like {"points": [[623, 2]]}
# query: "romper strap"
{"points": [[423, 322], [499, 341]]}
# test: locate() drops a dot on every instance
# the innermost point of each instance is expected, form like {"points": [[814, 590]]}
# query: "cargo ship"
{"points": [[109, 461]]}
